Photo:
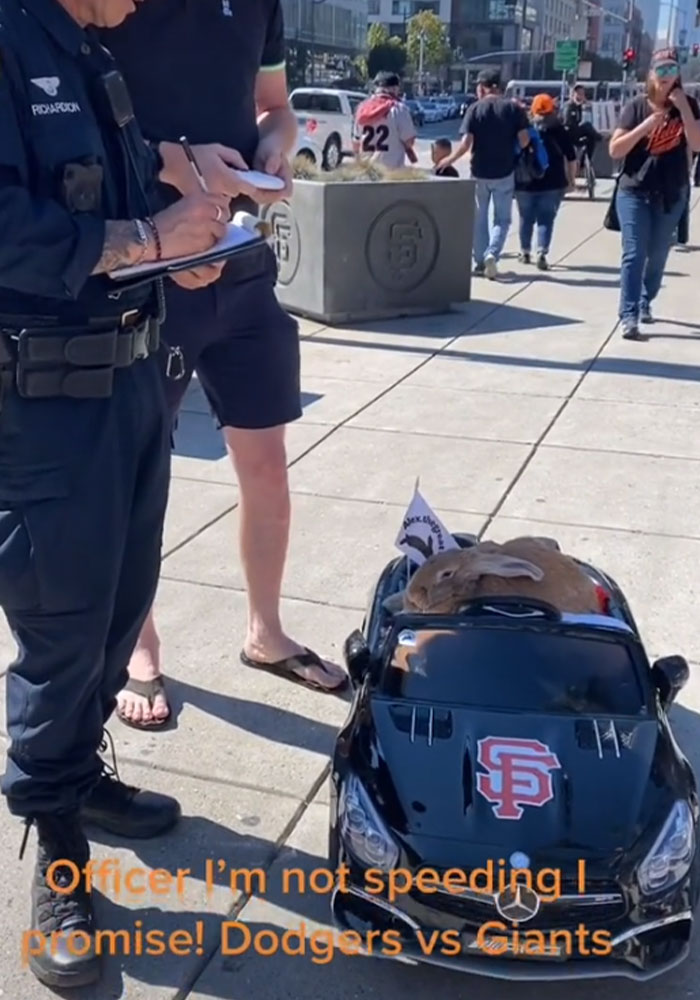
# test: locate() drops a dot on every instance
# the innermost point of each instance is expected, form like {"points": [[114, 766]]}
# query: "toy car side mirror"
{"points": [[670, 675], [358, 657]]}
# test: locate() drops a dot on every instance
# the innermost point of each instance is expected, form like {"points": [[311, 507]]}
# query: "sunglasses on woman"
{"points": [[670, 69]]}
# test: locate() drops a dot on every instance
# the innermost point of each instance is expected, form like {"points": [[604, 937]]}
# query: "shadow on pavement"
{"points": [[277, 724], [198, 436]]}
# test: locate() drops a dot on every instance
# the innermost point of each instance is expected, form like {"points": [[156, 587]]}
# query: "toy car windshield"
{"points": [[541, 671]]}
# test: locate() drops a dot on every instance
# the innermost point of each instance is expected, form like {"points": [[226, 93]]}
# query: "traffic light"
{"points": [[696, 49], [628, 58]]}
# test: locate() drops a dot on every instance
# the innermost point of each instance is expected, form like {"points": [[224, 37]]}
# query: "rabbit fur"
{"points": [[522, 567]]}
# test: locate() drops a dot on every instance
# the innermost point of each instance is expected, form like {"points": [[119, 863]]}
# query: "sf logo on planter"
{"points": [[518, 774]]}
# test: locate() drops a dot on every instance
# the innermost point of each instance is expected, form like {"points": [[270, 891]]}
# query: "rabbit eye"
{"points": [[445, 574]]}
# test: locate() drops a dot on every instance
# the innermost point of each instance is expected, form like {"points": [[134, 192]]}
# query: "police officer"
{"points": [[84, 437]]}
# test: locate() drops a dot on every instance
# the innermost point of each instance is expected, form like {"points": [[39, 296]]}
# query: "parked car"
{"points": [[417, 113], [525, 759], [467, 102], [326, 116], [430, 112], [307, 148], [445, 105]]}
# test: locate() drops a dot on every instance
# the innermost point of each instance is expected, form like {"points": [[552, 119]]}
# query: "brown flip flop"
{"points": [[147, 690], [289, 667]]}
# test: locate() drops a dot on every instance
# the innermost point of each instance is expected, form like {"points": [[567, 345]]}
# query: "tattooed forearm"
{"points": [[121, 247]]}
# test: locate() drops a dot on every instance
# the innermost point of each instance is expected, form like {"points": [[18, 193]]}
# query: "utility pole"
{"points": [[421, 61]]}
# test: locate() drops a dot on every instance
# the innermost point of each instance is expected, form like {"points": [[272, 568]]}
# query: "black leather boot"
{"points": [[125, 810], [63, 944]]}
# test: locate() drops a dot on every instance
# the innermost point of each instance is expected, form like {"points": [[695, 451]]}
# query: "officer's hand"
{"points": [[271, 159], [193, 224], [199, 277]]}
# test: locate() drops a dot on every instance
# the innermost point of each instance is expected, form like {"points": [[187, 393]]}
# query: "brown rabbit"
{"points": [[521, 567]]}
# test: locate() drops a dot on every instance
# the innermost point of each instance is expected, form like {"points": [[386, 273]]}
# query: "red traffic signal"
{"points": [[628, 58], [696, 49]]}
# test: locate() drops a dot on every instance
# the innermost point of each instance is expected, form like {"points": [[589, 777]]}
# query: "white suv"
{"points": [[326, 116]]}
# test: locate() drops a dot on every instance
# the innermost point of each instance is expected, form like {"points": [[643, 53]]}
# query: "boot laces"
{"points": [[60, 838], [110, 771]]}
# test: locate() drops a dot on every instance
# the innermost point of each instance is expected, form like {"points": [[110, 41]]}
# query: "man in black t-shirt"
{"points": [[214, 70], [493, 129]]}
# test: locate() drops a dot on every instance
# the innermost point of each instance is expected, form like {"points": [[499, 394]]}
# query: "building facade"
{"points": [[499, 34], [396, 14], [324, 37]]}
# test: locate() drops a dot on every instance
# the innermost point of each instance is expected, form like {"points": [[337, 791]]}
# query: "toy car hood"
{"points": [[470, 776]]}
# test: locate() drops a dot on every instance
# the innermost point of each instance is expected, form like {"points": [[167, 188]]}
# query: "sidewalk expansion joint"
{"points": [[212, 951]]}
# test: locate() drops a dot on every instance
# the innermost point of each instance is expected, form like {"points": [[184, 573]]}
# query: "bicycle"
{"points": [[585, 169]]}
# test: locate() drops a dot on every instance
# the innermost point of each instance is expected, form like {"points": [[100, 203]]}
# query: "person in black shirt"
{"points": [[655, 134], [539, 200], [581, 132], [493, 129], [216, 73]]}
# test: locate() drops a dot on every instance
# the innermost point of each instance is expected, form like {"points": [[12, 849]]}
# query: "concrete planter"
{"points": [[351, 251]]}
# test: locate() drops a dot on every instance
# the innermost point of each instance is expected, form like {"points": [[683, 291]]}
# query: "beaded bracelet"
{"points": [[156, 236]]}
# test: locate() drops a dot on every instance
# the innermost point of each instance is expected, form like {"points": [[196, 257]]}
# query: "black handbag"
{"points": [[528, 167], [612, 219]]}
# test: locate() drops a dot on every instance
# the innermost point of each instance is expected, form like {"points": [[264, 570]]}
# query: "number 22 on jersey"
{"points": [[375, 140]]}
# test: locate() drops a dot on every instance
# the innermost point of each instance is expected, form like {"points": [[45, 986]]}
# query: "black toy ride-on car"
{"points": [[507, 795]]}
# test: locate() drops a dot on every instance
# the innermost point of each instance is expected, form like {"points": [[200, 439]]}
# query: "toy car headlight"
{"points": [[362, 829], [672, 854]]}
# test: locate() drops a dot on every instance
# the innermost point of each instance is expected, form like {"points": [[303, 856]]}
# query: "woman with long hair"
{"points": [[653, 139], [539, 198]]}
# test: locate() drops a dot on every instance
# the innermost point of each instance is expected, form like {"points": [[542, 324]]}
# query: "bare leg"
{"points": [[260, 460], [144, 666]]}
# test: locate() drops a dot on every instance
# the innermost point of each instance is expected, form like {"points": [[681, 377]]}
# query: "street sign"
{"points": [[565, 56], [585, 70]]}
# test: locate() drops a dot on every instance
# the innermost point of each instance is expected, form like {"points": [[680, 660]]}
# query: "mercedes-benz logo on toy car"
{"points": [[518, 904]]}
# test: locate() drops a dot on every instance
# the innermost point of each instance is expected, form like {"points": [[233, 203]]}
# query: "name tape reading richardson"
{"points": [[111, 878]]}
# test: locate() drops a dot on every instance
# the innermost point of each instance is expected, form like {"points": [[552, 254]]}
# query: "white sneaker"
{"points": [[490, 267]]}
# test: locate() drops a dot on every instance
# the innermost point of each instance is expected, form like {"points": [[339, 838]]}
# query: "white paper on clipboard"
{"points": [[235, 238]]}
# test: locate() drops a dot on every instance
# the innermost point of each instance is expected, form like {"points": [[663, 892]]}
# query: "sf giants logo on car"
{"points": [[518, 773]]}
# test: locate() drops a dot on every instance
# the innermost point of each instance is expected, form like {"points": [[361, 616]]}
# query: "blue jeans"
{"points": [[647, 235], [489, 240], [537, 208]]}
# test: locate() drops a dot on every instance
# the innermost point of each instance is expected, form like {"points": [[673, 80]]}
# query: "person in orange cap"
{"points": [[539, 197]]}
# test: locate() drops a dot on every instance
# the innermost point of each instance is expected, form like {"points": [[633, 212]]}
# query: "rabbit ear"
{"points": [[496, 564]]}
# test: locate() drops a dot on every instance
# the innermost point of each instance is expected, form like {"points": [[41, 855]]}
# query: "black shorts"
{"points": [[242, 344]]}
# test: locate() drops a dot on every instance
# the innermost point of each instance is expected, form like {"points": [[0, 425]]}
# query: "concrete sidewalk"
{"points": [[522, 411]]}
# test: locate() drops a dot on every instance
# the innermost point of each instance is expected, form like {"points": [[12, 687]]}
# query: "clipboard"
{"points": [[236, 240]]}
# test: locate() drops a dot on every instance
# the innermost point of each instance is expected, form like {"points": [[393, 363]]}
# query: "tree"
{"points": [[436, 43], [377, 35], [390, 57]]}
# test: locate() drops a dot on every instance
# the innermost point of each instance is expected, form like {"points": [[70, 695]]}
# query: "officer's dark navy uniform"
{"points": [[84, 445]]}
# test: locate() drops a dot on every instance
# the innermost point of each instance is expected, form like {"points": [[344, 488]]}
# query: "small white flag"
{"points": [[422, 533]]}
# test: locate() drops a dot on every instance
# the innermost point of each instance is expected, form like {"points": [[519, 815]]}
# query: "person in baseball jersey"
{"points": [[384, 131]]}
